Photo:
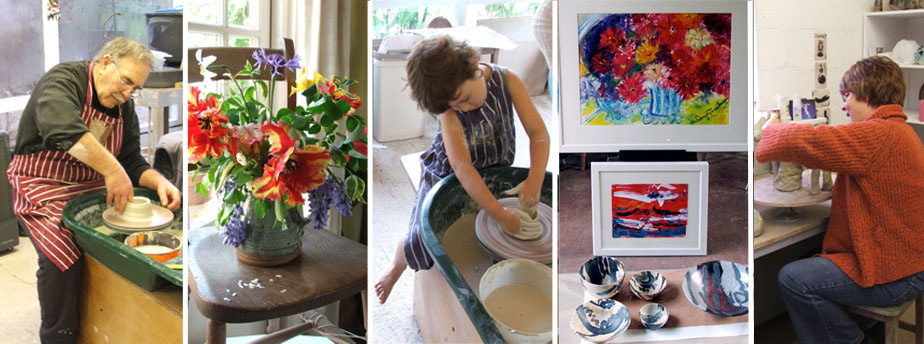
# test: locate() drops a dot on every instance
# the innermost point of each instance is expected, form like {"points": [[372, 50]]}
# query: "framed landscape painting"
{"points": [[649, 208], [668, 75]]}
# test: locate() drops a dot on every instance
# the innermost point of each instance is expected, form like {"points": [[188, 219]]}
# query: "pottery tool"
{"points": [[501, 245]]}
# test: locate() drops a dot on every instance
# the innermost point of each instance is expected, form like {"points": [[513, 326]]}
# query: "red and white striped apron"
{"points": [[44, 182]]}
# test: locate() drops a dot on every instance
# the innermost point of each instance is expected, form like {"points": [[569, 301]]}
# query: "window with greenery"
{"points": [[397, 20]]}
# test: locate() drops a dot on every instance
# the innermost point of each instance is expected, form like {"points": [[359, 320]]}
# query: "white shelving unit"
{"points": [[882, 30]]}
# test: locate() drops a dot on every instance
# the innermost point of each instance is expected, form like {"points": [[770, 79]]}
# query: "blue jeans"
{"points": [[815, 288]]}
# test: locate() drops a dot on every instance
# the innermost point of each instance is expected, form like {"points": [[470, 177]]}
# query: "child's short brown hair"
{"points": [[876, 80], [436, 68]]}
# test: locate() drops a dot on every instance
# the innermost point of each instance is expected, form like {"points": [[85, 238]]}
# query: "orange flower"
{"points": [[281, 143], [303, 171], [646, 52]]}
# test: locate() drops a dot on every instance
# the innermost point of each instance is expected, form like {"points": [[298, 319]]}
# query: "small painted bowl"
{"points": [[647, 284], [600, 320], [718, 287], [602, 277], [161, 246], [653, 315]]}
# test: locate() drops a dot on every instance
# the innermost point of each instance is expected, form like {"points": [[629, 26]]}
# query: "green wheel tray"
{"points": [[83, 214], [446, 202]]}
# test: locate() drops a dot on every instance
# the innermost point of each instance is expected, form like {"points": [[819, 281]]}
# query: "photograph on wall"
{"points": [[649, 210], [654, 68]]}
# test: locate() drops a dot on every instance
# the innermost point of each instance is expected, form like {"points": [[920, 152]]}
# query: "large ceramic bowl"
{"points": [[602, 277], [647, 284], [517, 293], [718, 287], [600, 320]]}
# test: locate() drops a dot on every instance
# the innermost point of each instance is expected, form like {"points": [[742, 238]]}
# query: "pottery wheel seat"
{"points": [[767, 195], [160, 218], [501, 246]]}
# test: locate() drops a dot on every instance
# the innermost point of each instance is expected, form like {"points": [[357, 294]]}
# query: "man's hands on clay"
{"points": [[119, 189], [169, 195]]}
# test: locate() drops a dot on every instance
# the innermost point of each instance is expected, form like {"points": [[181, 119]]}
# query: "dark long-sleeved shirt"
{"points": [[52, 121]]}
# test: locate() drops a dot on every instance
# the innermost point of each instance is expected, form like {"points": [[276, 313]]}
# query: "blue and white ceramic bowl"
{"points": [[653, 315], [602, 277], [718, 287], [647, 284], [600, 320]]}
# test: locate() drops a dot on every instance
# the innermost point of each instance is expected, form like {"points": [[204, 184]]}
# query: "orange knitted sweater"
{"points": [[876, 230]]}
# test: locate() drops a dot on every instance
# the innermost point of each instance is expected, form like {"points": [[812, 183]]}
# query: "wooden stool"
{"points": [[891, 316]]}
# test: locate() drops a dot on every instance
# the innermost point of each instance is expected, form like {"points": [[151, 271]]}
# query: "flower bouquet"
{"points": [[262, 162]]}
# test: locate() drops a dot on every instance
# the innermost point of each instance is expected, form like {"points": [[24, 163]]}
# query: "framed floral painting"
{"points": [[649, 208], [668, 75]]}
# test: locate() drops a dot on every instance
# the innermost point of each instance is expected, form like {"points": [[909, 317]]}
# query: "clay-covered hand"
{"points": [[169, 195], [509, 221], [528, 195], [119, 189], [530, 228]]}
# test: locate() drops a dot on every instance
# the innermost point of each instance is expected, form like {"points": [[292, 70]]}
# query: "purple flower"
{"points": [[234, 231], [275, 61], [321, 199]]}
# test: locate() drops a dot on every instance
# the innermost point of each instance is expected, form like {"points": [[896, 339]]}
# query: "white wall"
{"points": [[784, 41]]}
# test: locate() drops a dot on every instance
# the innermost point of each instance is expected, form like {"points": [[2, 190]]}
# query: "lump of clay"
{"points": [[758, 224], [530, 229], [788, 178]]}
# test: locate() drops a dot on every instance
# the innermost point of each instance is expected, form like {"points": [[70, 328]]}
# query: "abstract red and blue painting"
{"points": [[650, 210]]}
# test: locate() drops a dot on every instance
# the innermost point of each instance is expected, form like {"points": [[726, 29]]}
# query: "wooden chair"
{"points": [[891, 316], [235, 58]]}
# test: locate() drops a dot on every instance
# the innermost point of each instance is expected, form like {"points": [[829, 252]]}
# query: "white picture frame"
{"points": [[606, 175], [579, 138]]}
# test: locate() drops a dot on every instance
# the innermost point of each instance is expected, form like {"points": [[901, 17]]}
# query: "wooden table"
{"points": [[115, 310], [329, 269]]}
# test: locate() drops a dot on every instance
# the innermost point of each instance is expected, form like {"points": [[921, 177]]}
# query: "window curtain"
{"points": [[331, 37]]}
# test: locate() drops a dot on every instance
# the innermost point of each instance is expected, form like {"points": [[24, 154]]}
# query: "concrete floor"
{"points": [[20, 315], [393, 200]]}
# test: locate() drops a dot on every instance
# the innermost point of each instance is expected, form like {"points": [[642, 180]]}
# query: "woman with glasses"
{"points": [[79, 133]]}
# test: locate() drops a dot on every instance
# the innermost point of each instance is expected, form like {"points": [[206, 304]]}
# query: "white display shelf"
{"points": [[897, 14]]}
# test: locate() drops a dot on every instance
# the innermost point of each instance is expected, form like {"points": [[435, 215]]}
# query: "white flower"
{"points": [[204, 64]]}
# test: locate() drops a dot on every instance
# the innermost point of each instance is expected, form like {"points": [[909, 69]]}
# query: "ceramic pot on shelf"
{"points": [[269, 243]]}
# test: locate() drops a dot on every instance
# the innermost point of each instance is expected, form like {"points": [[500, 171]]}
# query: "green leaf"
{"points": [[223, 215], [343, 107], [338, 158], [202, 188], [244, 178], [356, 154], [314, 129], [247, 66], [354, 135], [310, 92], [242, 73], [355, 188], [263, 88], [318, 106], [299, 122], [233, 197], [260, 207], [311, 141], [217, 67], [280, 210], [351, 123], [285, 114]]}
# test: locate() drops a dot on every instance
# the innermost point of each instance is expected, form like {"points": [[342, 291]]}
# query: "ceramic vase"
{"points": [[269, 243]]}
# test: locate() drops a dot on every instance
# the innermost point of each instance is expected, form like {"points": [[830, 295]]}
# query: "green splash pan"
{"points": [[446, 202], [84, 213]]}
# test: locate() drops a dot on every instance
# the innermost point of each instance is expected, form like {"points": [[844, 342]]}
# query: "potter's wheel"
{"points": [[160, 218], [501, 246], [766, 194]]}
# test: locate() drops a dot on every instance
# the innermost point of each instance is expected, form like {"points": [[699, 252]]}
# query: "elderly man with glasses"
{"points": [[79, 133]]}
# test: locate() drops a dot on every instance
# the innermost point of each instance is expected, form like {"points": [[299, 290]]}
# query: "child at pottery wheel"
{"points": [[475, 104], [873, 251]]}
